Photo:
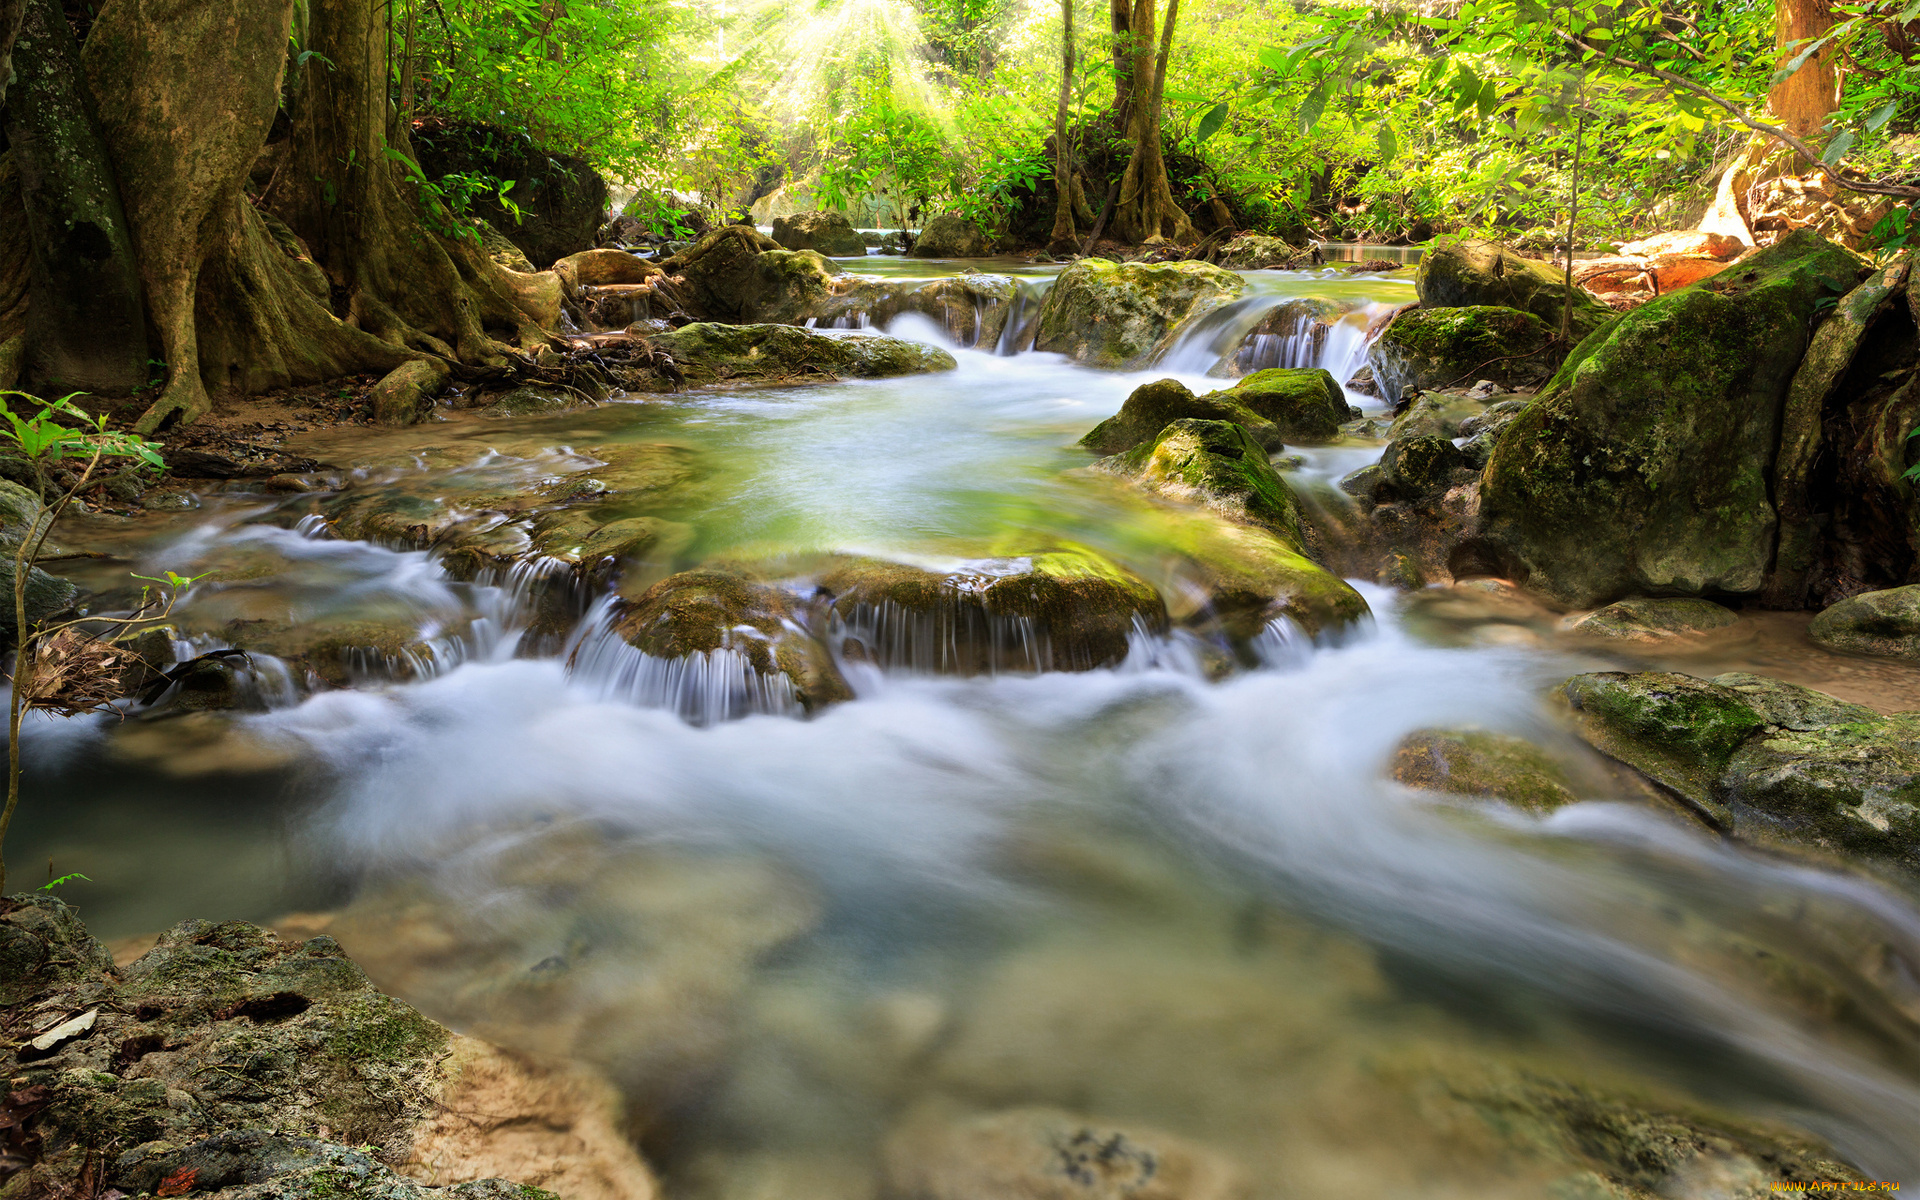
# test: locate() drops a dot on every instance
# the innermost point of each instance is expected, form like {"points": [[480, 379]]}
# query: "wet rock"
{"points": [[830, 233], [1469, 273], [1595, 491], [225, 1060], [1449, 347], [1677, 730], [604, 268], [1419, 466], [1766, 760], [1652, 619], [1884, 623], [1152, 406], [1249, 577], [702, 612], [709, 353], [46, 596], [1258, 252], [973, 308], [1304, 403], [1479, 763], [338, 650], [1062, 610], [949, 236], [1853, 789], [1050, 1154], [738, 274], [1113, 315], [531, 401], [405, 395], [1216, 464]]}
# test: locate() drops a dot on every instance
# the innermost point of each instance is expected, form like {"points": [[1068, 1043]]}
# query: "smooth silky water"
{"points": [[1153, 895]]}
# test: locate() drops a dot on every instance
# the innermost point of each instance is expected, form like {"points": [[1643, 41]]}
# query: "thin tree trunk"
{"points": [[1063, 240], [85, 328], [407, 61], [1573, 214], [1803, 99], [1146, 208], [10, 13], [1120, 14]]}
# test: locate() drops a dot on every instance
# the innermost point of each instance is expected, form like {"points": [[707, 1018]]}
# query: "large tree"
{"points": [[1063, 240], [331, 265], [1146, 208], [1803, 99]]}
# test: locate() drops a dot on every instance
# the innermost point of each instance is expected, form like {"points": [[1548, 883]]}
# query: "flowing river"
{"points": [[1165, 895]]}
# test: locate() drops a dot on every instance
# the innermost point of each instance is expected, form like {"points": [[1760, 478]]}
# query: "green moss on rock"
{"points": [[1218, 464], [1456, 347], [1642, 468], [1479, 763], [1304, 403], [1885, 623], [1653, 619], [1472, 273], [1113, 315], [1677, 730], [709, 353], [1153, 406]]}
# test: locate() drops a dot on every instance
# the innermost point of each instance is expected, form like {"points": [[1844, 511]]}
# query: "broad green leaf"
{"points": [[1530, 11], [1838, 147], [1389, 147], [1211, 123], [1884, 114], [1308, 114], [1274, 59]]}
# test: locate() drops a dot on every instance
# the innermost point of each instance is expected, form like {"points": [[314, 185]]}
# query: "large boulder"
{"points": [[830, 233], [1153, 406], [228, 1062], [1114, 315], [738, 274], [1849, 517], [1468, 273], [1061, 610], [1885, 623], [710, 353], [948, 236], [1642, 468], [560, 200], [1449, 347], [1216, 464], [1304, 403], [1258, 252], [1765, 760], [1652, 619], [715, 616]]}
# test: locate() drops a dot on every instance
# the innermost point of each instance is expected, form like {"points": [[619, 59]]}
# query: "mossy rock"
{"points": [[1642, 468], [1455, 347], [1063, 609], [1249, 576], [1677, 730], [1469, 273], [339, 650], [738, 274], [528, 401], [1853, 788], [1304, 403], [700, 612], [501, 249], [1420, 466], [709, 353], [828, 233], [950, 236], [1885, 623], [1114, 315], [1219, 465], [46, 595], [1258, 252], [1653, 619], [973, 308], [1153, 406], [1478, 763]]}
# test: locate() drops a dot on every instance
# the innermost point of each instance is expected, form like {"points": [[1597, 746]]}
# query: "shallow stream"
{"points": [[1151, 895]]}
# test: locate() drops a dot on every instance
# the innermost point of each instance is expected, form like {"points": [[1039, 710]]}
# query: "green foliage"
{"points": [[51, 884], [42, 439]]}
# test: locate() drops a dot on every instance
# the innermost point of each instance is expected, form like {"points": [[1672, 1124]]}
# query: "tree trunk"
{"points": [[1120, 13], [1146, 208], [1803, 99], [1063, 240], [85, 327]]}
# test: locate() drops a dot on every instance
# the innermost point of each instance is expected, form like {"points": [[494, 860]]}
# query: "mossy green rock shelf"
{"points": [[1642, 468], [1113, 315]]}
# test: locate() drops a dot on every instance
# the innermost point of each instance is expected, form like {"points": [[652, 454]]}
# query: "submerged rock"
{"points": [[1062, 610], [949, 236], [1113, 315], [1884, 623], [830, 233], [703, 612], [1449, 347], [709, 353], [1642, 468], [1766, 760], [1050, 1154], [1469, 273], [1216, 464], [224, 1060], [1478, 763], [1650, 619], [1152, 406]]}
